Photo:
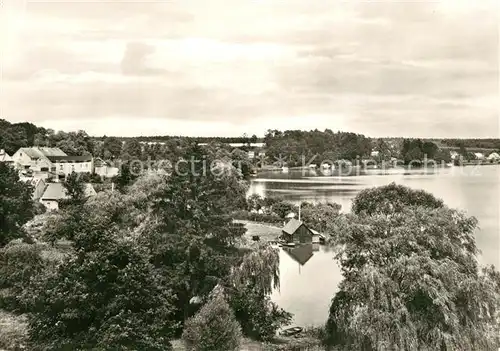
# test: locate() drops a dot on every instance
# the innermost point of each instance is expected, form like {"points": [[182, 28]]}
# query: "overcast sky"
{"points": [[422, 69]]}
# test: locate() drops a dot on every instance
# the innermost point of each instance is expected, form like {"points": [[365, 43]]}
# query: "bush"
{"points": [[213, 328], [106, 297], [13, 335], [259, 317], [19, 263]]}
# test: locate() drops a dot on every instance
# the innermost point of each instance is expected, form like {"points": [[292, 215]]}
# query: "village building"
{"points": [[65, 165], [494, 156], [36, 159], [38, 185], [479, 155], [55, 192], [4, 157], [105, 168], [47, 162]]}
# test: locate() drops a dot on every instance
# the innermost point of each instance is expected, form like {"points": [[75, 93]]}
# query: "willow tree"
{"points": [[250, 285], [412, 282]]}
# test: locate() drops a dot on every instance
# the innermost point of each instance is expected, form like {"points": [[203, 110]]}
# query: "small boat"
{"points": [[284, 169], [289, 244], [291, 331]]}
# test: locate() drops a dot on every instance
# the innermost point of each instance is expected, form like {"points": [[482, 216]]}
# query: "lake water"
{"points": [[308, 282]]}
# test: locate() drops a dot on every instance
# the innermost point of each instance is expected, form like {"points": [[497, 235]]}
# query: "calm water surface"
{"points": [[309, 276]]}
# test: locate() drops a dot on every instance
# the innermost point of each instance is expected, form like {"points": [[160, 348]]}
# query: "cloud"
{"points": [[419, 69]]}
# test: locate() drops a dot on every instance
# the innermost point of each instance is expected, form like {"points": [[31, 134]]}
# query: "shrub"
{"points": [[213, 328], [19, 263], [259, 317], [106, 297], [13, 335]]}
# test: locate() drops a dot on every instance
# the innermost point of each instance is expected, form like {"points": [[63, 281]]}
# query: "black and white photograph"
{"points": [[249, 175]]}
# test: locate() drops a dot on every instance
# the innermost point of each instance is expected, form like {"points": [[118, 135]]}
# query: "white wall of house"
{"points": [[77, 167], [106, 171], [50, 205], [21, 158]]}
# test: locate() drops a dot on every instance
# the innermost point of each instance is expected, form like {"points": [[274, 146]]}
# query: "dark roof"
{"points": [[292, 226], [70, 158], [301, 253], [40, 152]]}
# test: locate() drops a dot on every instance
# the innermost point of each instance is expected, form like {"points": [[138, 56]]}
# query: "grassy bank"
{"points": [[266, 232]]}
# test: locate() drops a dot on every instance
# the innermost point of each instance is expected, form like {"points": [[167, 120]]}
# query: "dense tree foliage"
{"points": [[319, 216], [487, 143], [412, 280], [75, 188], [416, 151], [392, 198], [298, 147], [16, 204], [14, 136], [105, 296], [249, 287], [20, 263]]}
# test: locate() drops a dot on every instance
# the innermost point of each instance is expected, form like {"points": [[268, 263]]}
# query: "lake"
{"points": [[309, 279]]}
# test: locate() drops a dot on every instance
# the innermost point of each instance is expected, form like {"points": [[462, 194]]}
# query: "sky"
{"points": [[229, 67]]}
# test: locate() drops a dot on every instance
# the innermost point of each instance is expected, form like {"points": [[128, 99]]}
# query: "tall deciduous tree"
{"points": [[106, 296], [16, 204], [392, 198], [412, 280], [75, 188]]}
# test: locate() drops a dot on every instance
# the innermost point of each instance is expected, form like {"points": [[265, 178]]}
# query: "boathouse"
{"points": [[295, 231]]}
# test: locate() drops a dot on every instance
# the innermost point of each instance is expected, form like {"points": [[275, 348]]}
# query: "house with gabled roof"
{"points": [[36, 158], [4, 157], [55, 192], [38, 185], [295, 231], [51, 160], [494, 156]]}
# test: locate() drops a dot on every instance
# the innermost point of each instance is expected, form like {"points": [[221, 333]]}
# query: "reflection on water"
{"points": [[309, 281], [309, 277]]}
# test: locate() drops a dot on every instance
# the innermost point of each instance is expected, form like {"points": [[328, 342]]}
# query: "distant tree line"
{"points": [[473, 143], [327, 145], [16, 135], [418, 151]]}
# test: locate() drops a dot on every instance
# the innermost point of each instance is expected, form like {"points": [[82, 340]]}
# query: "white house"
{"points": [[45, 160], [375, 153], [65, 165], [4, 157], [493, 157], [36, 158], [37, 184], [55, 192], [479, 155], [105, 169]]}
